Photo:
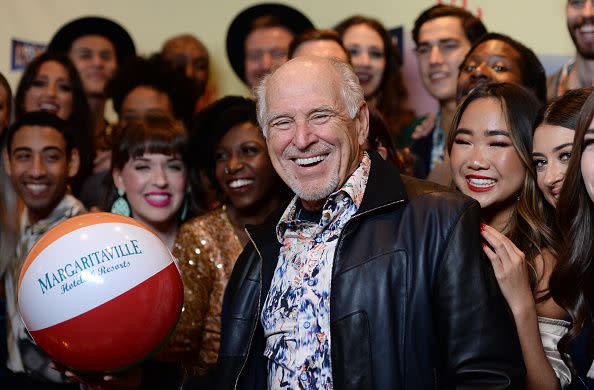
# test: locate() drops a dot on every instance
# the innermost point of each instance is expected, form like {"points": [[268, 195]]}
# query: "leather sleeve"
{"points": [[479, 342]]}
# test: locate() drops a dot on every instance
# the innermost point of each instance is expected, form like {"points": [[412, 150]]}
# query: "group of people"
{"points": [[327, 235]]}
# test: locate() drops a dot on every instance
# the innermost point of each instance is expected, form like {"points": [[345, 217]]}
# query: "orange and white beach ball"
{"points": [[100, 292]]}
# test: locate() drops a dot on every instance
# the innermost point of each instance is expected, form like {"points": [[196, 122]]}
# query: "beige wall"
{"points": [[537, 23]]}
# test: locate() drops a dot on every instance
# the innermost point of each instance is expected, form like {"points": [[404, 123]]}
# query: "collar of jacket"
{"points": [[384, 186]]}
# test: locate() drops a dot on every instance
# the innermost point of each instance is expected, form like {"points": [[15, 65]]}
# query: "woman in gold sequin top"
{"points": [[235, 158]]}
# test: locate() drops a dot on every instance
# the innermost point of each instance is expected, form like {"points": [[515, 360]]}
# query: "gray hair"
{"points": [[350, 90]]}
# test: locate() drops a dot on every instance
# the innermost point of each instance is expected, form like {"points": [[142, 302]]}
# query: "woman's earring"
{"points": [[121, 205]]}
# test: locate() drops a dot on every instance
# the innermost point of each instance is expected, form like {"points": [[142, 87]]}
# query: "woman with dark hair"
{"points": [[228, 143], [572, 281], [149, 172], [51, 83], [150, 175], [376, 62], [551, 153], [490, 149]]}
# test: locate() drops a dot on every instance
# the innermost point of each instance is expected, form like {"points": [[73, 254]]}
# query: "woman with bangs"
{"points": [[490, 160], [149, 173]]}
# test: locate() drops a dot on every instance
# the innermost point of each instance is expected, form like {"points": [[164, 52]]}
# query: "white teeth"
{"points": [[482, 182], [240, 183], [48, 107], [588, 28], [37, 187], [158, 198], [310, 160], [434, 76]]}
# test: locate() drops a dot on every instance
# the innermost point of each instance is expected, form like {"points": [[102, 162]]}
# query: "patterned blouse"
{"points": [[296, 313], [206, 248]]}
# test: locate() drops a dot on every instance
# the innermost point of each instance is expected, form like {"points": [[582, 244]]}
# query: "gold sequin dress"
{"points": [[206, 248]]}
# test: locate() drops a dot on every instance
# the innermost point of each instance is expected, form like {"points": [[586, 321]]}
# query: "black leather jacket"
{"points": [[414, 305]]}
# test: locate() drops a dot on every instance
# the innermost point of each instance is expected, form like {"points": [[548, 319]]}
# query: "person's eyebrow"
{"points": [[21, 149], [52, 149], [277, 115], [462, 130], [557, 148], [496, 132]]}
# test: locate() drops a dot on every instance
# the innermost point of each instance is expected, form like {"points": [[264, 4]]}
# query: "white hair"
{"points": [[350, 90]]}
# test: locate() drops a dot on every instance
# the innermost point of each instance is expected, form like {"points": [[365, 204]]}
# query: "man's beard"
{"points": [[585, 50]]}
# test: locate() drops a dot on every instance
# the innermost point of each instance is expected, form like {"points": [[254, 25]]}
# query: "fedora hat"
{"points": [[94, 25], [241, 26]]}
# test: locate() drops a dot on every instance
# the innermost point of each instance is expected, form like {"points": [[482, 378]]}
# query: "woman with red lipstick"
{"points": [[490, 160], [376, 62]]}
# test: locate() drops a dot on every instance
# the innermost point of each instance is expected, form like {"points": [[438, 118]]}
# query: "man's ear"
{"points": [[363, 123], [73, 163], [6, 161]]}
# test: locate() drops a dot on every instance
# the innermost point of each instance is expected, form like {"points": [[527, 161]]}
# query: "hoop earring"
{"points": [[121, 205]]}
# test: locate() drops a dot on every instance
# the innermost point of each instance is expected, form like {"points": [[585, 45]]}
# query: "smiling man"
{"points": [[579, 71], [41, 159], [443, 36], [367, 279]]}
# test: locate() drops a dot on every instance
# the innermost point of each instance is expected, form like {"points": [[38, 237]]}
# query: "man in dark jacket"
{"points": [[366, 279]]}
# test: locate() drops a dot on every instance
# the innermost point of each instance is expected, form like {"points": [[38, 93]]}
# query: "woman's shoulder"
{"points": [[544, 266]]}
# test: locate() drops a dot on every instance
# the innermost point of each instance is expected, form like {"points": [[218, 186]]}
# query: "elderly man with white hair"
{"points": [[367, 279]]}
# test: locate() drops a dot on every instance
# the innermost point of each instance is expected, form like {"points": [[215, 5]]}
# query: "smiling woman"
{"points": [[51, 83], [490, 159], [376, 62]]}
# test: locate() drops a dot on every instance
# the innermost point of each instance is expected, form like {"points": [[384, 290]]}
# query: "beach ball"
{"points": [[100, 292]]}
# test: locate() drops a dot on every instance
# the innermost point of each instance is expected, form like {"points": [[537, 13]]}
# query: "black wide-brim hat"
{"points": [[94, 25], [240, 27]]}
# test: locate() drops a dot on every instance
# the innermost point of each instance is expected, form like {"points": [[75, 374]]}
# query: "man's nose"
{"points": [[588, 9], [303, 137], [266, 62], [38, 168], [435, 56]]}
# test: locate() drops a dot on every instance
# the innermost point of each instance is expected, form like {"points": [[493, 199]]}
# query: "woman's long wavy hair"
{"points": [[572, 282], [520, 108], [562, 111], [391, 94]]}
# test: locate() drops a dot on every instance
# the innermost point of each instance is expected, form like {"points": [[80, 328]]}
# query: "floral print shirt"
{"points": [[296, 312]]}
